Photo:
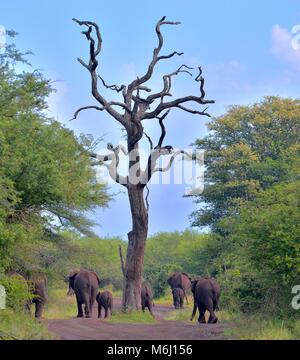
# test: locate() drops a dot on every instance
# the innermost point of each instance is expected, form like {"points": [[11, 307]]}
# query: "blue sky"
{"points": [[244, 48]]}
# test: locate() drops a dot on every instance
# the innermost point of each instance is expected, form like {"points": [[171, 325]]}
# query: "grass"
{"points": [[167, 299], [250, 327], [185, 315], [132, 317], [60, 306], [20, 326], [256, 327]]}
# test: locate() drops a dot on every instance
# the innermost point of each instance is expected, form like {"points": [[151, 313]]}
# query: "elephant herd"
{"points": [[206, 293], [85, 285]]}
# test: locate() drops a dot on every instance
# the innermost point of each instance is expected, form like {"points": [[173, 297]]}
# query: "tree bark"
{"points": [[136, 247]]}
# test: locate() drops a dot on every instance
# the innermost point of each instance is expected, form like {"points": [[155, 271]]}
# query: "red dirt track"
{"points": [[96, 329]]}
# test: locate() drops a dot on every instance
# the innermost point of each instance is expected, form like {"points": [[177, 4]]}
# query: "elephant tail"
{"points": [[194, 310]]}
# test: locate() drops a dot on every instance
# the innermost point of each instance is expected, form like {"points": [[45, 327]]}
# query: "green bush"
{"points": [[17, 291]]}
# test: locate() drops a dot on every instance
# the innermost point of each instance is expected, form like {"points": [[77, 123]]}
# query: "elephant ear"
{"points": [[170, 280], [71, 279], [98, 279]]}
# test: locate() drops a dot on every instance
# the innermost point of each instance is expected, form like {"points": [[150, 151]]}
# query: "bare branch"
{"points": [[92, 66], [88, 24], [146, 198], [155, 57], [152, 159], [163, 57], [144, 88], [168, 83], [200, 79], [196, 112], [166, 168], [163, 106], [150, 141], [177, 103], [112, 87], [86, 108], [163, 129], [122, 105], [114, 163]]}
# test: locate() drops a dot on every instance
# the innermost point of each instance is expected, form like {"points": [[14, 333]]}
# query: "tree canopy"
{"points": [[251, 202], [46, 178]]}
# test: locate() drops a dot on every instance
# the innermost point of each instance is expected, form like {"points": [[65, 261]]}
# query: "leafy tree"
{"points": [[252, 203], [248, 149], [46, 178], [263, 263]]}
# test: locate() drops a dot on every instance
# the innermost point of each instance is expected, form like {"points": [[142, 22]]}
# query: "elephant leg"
{"points": [[106, 312], [181, 303], [79, 307], [216, 305], [186, 298], [99, 311], [39, 306], [86, 302], [93, 295], [27, 307], [91, 307], [201, 318], [150, 308], [87, 310], [212, 318]]}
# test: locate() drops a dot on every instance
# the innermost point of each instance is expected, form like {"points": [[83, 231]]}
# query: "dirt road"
{"points": [[96, 329]]}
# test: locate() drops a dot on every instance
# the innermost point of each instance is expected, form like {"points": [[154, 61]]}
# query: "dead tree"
{"points": [[138, 104]]}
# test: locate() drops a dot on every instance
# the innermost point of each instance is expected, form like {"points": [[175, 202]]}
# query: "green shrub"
{"points": [[17, 291]]}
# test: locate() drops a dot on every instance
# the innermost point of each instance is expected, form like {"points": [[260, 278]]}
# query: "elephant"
{"points": [[178, 298], [38, 283], [206, 293], [37, 286], [105, 300], [85, 285], [147, 297], [180, 280]]}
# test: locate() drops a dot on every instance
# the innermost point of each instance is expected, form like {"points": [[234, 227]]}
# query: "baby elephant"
{"points": [[104, 300], [178, 297]]}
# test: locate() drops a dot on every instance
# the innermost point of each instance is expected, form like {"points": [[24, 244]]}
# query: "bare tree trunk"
{"points": [[136, 247]]}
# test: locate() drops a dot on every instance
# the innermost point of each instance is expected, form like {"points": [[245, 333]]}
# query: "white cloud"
{"points": [[282, 46]]}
